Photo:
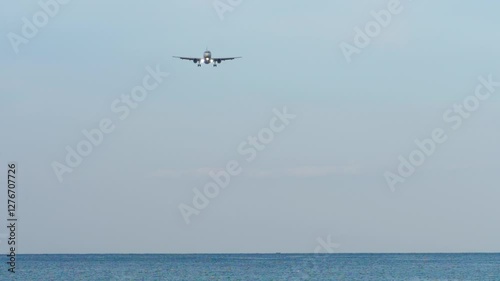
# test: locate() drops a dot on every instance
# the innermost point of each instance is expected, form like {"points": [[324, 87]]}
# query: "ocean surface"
{"points": [[414, 267]]}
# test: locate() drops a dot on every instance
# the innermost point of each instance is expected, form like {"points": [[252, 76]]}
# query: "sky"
{"points": [[322, 176]]}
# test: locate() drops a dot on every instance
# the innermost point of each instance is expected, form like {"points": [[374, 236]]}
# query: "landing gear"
{"points": [[215, 65], [199, 65]]}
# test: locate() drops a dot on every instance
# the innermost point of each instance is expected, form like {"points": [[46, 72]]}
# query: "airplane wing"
{"points": [[223, 59], [186, 58]]}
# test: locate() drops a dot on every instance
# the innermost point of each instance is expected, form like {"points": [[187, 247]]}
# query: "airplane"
{"points": [[207, 59]]}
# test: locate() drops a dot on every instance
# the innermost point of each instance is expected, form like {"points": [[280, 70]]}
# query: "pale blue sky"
{"points": [[360, 115]]}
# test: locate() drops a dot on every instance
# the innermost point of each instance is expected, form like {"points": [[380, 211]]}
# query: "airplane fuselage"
{"points": [[207, 57]]}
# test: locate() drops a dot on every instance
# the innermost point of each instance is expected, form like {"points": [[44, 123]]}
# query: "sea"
{"points": [[358, 267]]}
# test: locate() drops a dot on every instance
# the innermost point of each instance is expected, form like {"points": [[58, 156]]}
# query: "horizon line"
{"points": [[274, 253]]}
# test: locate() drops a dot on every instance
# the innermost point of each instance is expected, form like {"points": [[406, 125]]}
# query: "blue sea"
{"points": [[414, 267]]}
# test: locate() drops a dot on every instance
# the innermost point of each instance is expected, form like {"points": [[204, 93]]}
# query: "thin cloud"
{"points": [[298, 172], [305, 172], [180, 173]]}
